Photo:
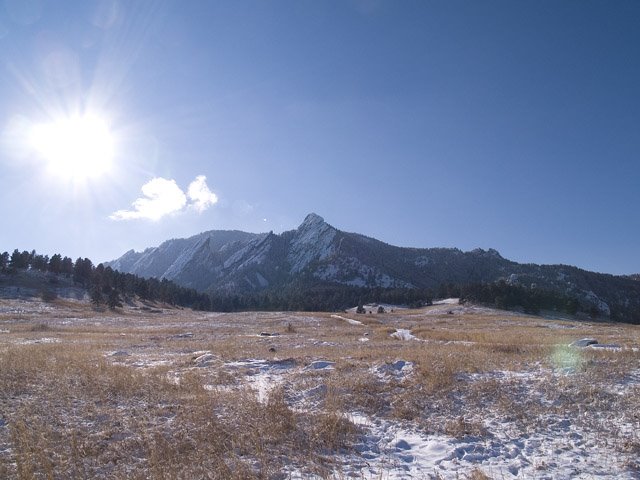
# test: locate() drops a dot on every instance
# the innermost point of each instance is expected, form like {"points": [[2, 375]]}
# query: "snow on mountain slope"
{"points": [[169, 258], [126, 262], [254, 252], [317, 253], [154, 262], [313, 240]]}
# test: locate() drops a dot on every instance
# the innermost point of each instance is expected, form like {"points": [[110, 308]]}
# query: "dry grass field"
{"points": [[444, 392]]}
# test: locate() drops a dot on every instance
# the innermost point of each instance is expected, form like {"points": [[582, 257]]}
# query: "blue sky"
{"points": [[502, 124]]}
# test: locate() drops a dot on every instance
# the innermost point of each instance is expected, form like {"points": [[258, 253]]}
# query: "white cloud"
{"points": [[163, 197], [200, 195]]}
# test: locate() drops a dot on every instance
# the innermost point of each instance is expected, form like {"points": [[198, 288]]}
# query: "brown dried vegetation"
{"points": [[85, 394]]}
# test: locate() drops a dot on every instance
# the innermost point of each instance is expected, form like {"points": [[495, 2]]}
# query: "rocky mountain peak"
{"points": [[313, 240], [312, 221]]}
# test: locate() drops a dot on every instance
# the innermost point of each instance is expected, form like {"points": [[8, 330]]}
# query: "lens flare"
{"points": [[567, 359]]}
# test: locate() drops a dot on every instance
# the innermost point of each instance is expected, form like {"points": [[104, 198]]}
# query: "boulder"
{"points": [[583, 342]]}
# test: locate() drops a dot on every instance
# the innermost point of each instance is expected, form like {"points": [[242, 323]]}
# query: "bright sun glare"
{"points": [[78, 147]]}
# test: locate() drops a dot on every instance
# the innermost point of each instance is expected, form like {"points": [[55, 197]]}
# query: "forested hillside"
{"points": [[104, 286]]}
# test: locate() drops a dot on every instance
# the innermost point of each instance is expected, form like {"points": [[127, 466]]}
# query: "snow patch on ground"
{"points": [[204, 360], [34, 341], [447, 301], [404, 334], [398, 370], [394, 450], [350, 321], [320, 365], [263, 375], [452, 309]]}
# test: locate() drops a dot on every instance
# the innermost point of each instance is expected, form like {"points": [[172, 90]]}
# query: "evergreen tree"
{"points": [[67, 266], [40, 262], [82, 270], [113, 299], [55, 263], [15, 262], [4, 261], [96, 296]]}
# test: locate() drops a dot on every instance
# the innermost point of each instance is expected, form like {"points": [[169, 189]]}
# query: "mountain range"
{"points": [[316, 253]]}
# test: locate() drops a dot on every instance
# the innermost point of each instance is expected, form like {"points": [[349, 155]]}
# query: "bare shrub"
{"points": [[40, 327], [477, 474], [48, 295], [461, 427]]}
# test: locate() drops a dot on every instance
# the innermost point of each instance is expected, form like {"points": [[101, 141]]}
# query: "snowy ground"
{"points": [[449, 391]]}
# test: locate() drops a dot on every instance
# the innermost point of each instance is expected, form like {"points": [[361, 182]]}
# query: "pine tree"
{"points": [[40, 262], [16, 261], [55, 263], [82, 271], [113, 299], [67, 266], [4, 261], [96, 296]]}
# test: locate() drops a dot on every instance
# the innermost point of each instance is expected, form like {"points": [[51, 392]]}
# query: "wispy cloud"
{"points": [[163, 197], [200, 195]]}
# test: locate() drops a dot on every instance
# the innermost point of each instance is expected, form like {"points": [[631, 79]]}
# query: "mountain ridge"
{"points": [[316, 253]]}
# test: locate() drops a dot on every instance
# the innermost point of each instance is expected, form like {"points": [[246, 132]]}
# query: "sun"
{"points": [[78, 147]]}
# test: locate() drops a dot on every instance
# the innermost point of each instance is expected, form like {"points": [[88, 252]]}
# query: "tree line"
{"points": [[105, 285], [304, 296], [300, 296]]}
